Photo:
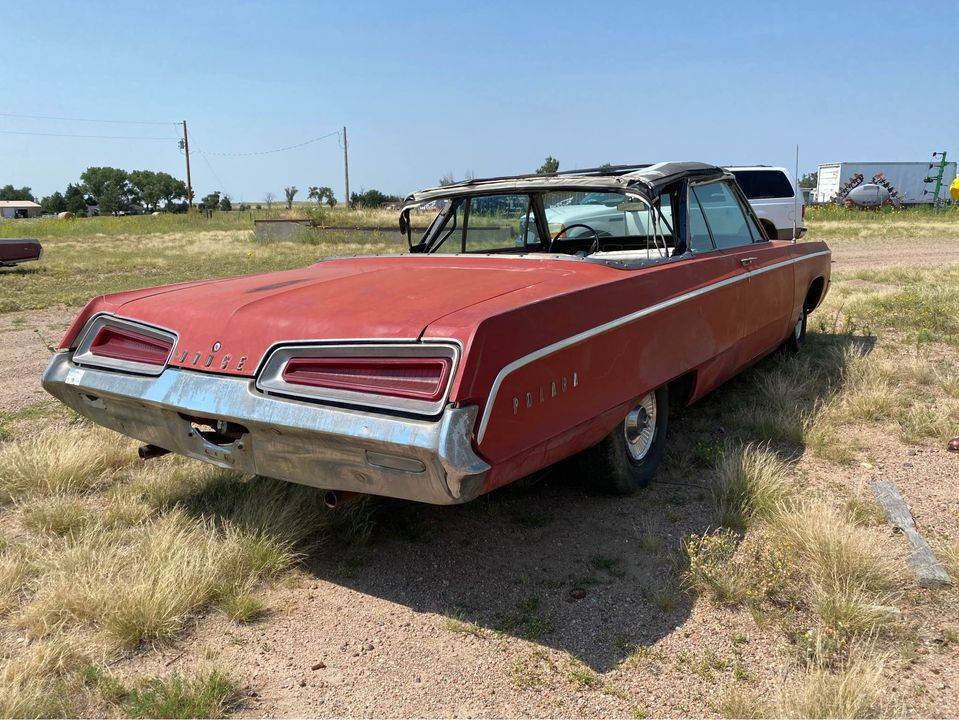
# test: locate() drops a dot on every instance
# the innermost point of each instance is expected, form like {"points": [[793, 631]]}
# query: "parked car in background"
{"points": [[14, 251], [777, 202], [470, 362]]}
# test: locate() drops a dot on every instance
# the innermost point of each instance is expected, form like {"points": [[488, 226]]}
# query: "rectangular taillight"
{"points": [[107, 341], [126, 344], [416, 378], [407, 377]]}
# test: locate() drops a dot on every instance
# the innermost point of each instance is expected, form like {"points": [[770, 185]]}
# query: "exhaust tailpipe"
{"points": [[335, 498], [147, 452]]}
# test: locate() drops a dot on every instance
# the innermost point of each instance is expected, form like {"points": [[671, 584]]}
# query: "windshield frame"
{"points": [[437, 233]]}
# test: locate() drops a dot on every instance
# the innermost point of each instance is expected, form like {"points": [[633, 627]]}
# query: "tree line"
{"points": [[112, 191]]}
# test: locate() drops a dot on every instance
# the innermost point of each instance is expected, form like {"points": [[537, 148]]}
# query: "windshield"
{"points": [[571, 222]]}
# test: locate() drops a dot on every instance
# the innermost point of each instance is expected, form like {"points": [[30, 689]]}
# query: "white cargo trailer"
{"points": [[907, 177]]}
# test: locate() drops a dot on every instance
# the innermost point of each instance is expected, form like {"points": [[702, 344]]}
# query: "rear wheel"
{"points": [[626, 459]]}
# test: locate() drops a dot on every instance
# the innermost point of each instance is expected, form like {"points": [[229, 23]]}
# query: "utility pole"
{"points": [[346, 168], [189, 185]]}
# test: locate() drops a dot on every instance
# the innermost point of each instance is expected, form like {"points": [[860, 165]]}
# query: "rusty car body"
{"points": [[496, 347], [14, 251]]}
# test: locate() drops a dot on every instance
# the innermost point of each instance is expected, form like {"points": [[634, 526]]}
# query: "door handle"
{"points": [[747, 261]]}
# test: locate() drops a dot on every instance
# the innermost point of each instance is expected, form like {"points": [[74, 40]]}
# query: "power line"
{"points": [[268, 152], [92, 120], [209, 165], [88, 137]]}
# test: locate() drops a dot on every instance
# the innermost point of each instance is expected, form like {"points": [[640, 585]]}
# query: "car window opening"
{"points": [[561, 222]]}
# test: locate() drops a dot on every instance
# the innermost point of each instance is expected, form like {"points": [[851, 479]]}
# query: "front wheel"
{"points": [[798, 335], [626, 459]]}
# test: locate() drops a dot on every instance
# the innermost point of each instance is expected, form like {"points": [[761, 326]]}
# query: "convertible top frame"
{"points": [[645, 180]]}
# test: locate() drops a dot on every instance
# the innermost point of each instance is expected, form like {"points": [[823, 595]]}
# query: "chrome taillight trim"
{"points": [[270, 378], [83, 356]]}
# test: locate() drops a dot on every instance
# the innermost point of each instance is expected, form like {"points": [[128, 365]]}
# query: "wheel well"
{"points": [[769, 228], [681, 389], [814, 295]]}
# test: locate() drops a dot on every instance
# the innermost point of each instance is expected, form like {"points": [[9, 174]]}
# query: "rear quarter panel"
{"points": [[815, 262], [554, 405]]}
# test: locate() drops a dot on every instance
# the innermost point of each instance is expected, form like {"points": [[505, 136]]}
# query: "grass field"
{"points": [[92, 256], [764, 583]]}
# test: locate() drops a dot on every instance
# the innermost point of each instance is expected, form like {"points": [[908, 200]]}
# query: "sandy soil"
{"points": [[850, 254], [26, 339], [538, 601]]}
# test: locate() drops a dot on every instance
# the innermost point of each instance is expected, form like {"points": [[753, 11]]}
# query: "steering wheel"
{"points": [[570, 227]]}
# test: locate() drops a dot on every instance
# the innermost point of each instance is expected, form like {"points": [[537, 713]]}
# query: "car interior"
{"points": [[619, 227]]}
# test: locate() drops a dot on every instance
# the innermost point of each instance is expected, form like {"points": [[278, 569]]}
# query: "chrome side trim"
{"points": [[84, 356], [617, 322], [270, 379]]}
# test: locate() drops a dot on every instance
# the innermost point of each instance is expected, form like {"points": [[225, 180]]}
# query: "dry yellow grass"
{"points": [[60, 460], [40, 680], [751, 482], [141, 583], [830, 548], [13, 575], [854, 690], [168, 540], [849, 610], [132, 584], [57, 515]]}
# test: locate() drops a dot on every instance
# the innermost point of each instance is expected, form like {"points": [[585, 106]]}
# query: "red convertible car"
{"points": [[513, 335]]}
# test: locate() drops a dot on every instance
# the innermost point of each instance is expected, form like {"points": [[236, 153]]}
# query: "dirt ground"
{"points": [[540, 602], [859, 254]]}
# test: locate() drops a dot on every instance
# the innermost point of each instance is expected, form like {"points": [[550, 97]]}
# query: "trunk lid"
{"points": [[373, 298]]}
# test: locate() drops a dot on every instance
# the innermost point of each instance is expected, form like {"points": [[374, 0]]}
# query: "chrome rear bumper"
{"points": [[327, 447]]}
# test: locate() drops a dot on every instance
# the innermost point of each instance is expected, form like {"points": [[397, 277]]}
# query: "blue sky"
{"points": [[489, 87]]}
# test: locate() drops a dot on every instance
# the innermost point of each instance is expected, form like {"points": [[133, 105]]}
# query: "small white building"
{"points": [[19, 209]]}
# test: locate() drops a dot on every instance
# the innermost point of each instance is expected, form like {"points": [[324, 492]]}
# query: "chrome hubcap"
{"points": [[640, 427]]}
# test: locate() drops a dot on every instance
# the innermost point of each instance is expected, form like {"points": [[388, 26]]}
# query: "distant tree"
{"points": [[269, 199], [447, 179], [225, 203], [372, 198], [94, 179], [9, 192], [469, 175], [550, 166], [75, 200], [809, 180], [322, 194], [150, 188], [211, 201], [605, 167], [290, 193], [54, 204], [110, 199]]}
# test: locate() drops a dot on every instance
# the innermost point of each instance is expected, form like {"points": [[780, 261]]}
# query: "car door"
{"points": [[767, 287], [721, 323]]}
